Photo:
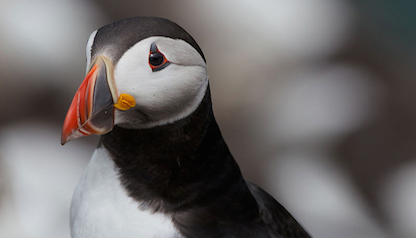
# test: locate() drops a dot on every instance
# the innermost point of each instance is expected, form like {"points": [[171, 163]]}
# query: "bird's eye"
{"points": [[157, 60]]}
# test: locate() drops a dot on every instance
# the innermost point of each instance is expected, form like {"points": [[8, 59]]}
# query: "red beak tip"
{"points": [[64, 140]]}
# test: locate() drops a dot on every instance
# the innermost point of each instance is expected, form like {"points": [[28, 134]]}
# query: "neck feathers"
{"points": [[174, 166]]}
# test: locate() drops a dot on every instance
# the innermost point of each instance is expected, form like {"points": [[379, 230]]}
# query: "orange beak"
{"points": [[92, 109]]}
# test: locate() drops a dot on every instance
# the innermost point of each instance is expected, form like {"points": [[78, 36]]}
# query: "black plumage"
{"points": [[125, 33], [186, 169]]}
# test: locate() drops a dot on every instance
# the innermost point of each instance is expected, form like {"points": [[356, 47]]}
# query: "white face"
{"points": [[162, 96]]}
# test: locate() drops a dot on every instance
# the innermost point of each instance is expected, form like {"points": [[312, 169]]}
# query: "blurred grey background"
{"points": [[316, 99]]}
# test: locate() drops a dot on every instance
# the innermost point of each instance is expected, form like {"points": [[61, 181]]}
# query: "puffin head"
{"points": [[141, 72]]}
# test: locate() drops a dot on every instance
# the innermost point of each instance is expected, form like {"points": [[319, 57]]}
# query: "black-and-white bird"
{"points": [[162, 168]]}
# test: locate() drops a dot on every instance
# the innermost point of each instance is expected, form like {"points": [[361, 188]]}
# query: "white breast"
{"points": [[101, 208]]}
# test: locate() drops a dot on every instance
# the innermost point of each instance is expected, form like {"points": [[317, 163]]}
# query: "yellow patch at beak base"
{"points": [[125, 102]]}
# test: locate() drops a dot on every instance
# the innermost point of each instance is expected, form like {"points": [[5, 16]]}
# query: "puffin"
{"points": [[161, 167]]}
